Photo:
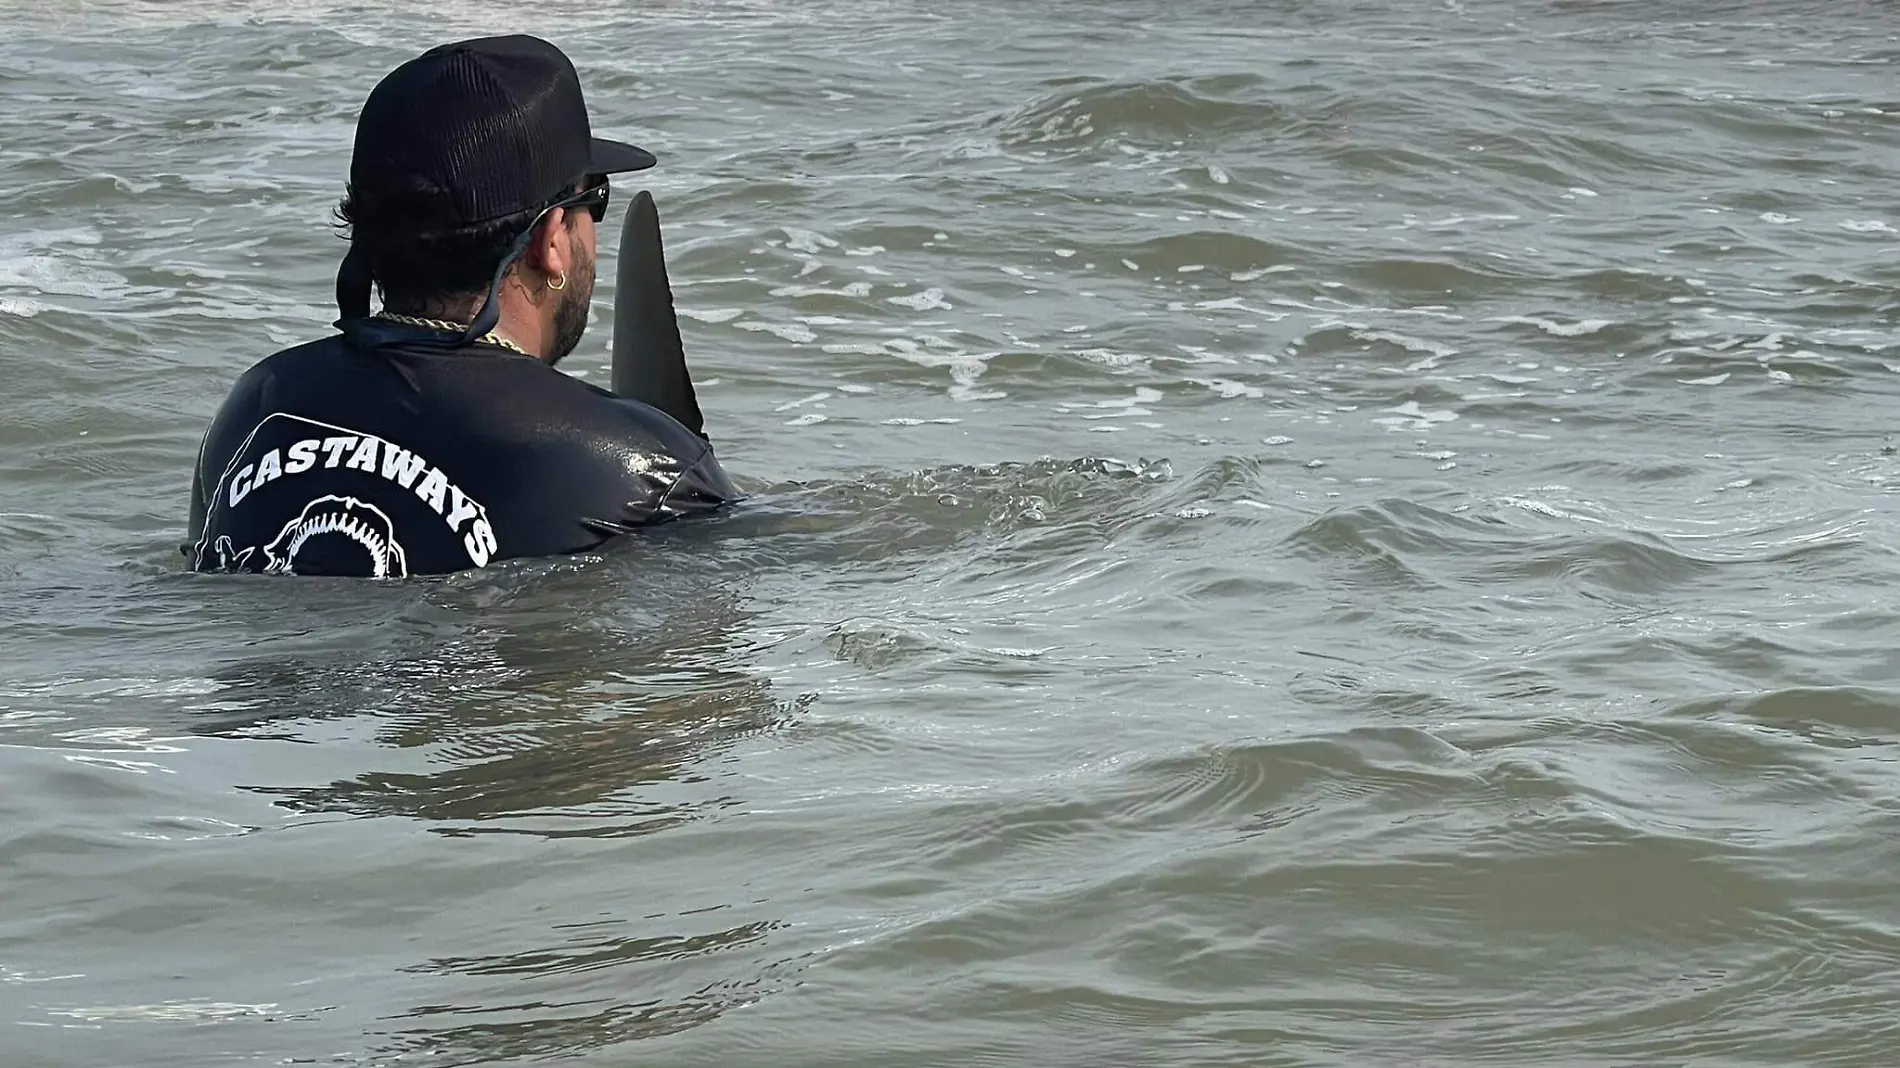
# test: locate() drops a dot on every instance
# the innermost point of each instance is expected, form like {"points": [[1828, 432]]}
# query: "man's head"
{"points": [[472, 159]]}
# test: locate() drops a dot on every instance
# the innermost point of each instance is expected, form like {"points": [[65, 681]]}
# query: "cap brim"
{"points": [[617, 157]]}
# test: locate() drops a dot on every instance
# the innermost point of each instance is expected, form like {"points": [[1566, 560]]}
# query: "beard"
{"points": [[570, 317]]}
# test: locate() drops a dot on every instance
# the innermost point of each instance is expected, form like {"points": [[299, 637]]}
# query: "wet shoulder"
{"points": [[550, 406]]}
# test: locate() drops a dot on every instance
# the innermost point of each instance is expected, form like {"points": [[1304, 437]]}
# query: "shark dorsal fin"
{"points": [[649, 362]]}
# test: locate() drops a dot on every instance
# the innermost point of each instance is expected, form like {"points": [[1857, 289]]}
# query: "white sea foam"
{"points": [[1111, 357], [1262, 272], [1552, 326], [712, 315], [810, 241], [797, 333], [1411, 416], [849, 289], [802, 401], [1228, 388], [926, 300]]}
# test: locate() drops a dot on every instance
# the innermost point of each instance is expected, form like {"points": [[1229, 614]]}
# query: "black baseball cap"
{"points": [[476, 130]]}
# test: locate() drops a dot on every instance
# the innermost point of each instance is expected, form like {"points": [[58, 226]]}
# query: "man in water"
{"points": [[436, 435]]}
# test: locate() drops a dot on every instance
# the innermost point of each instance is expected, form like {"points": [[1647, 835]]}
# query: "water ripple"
{"points": [[1283, 534]]}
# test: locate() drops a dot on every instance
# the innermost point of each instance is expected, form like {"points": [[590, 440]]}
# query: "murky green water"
{"points": [[1287, 534]]}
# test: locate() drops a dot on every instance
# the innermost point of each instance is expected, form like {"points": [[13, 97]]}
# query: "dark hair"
{"points": [[414, 258]]}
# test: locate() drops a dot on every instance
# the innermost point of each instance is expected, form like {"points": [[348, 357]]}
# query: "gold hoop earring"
{"points": [[563, 284]]}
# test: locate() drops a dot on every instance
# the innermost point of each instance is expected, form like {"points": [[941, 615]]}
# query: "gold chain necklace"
{"points": [[490, 338]]}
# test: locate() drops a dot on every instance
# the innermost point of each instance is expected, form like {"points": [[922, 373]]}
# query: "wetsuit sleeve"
{"points": [[702, 487], [657, 470], [700, 483]]}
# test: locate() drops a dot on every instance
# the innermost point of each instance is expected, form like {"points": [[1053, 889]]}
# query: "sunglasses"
{"points": [[593, 198]]}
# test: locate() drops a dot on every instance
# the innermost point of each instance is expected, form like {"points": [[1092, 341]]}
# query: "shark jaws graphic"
{"points": [[328, 518]]}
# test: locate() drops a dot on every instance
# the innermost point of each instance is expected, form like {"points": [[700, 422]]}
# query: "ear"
{"points": [[552, 250]]}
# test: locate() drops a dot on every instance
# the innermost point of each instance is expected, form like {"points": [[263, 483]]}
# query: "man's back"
{"points": [[374, 455]]}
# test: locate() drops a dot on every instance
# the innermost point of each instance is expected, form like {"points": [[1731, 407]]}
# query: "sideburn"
{"points": [[570, 317]]}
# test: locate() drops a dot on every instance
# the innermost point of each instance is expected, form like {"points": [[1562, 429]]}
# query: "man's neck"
{"points": [[517, 322], [461, 311], [449, 309]]}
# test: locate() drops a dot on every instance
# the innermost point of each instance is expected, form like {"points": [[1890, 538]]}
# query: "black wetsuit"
{"points": [[373, 453]]}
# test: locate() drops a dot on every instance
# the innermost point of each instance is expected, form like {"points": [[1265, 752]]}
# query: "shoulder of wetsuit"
{"points": [[243, 405], [254, 387], [315, 348], [702, 483], [656, 424], [251, 390]]}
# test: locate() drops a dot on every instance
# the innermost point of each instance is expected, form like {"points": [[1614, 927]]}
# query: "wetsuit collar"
{"points": [[369, 332]]}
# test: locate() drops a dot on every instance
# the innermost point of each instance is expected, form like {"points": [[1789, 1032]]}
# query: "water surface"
{"points": [[1286, 534]]}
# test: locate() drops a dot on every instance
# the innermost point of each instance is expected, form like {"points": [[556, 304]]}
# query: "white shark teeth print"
{"points": [[348, 526], [363, 524]]}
